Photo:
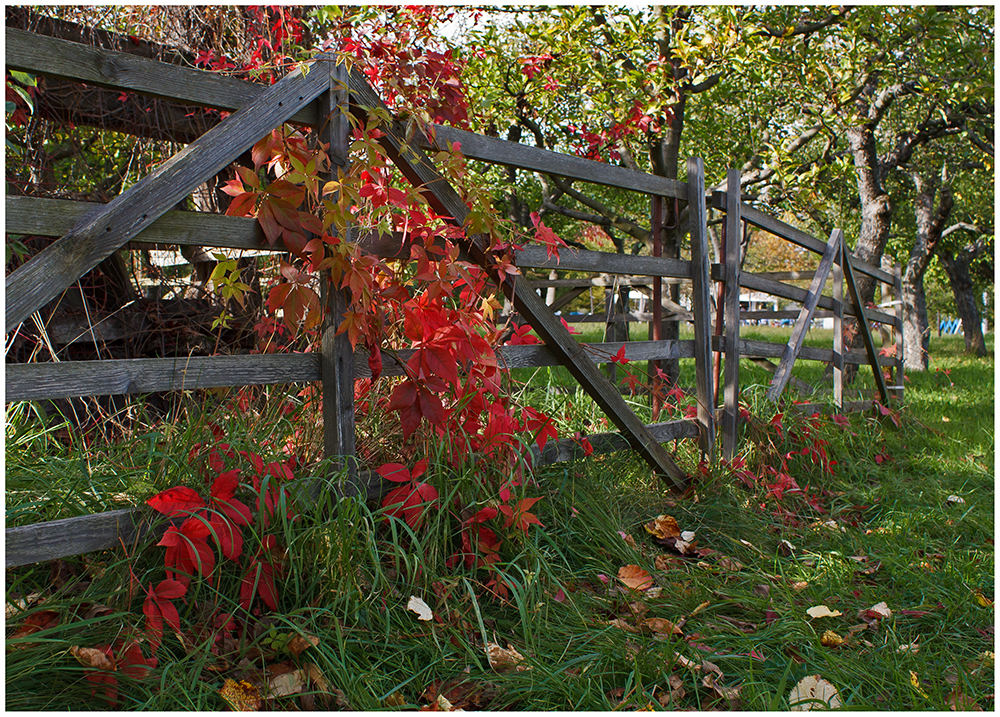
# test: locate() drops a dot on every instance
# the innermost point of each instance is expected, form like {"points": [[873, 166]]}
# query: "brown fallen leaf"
{"points": [[285, 684], [634, 577], [93, 658], [675, 695], [660, 625], [957, 702], [300, 643], [667, 562], [505, 659], [730, 564], [622, 625], [729, 694], [663, 527]]}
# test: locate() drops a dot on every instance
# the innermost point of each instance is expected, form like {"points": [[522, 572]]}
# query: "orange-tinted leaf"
{"points": [[93, 658], [634, 577], [663, 527]]}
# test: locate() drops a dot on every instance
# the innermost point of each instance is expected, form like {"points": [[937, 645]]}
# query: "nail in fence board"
{"points": [[337, 362], [784, 371], [443, 198], [701, 303], [731, 396], [57, 266]]}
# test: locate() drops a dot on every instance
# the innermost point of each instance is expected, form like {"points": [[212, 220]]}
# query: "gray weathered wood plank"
{"points": [[866, 334], [838, 328], [796, 383], [55, 217], [568, 449], [731, 378], [804, 321], [794, 235], [54, 539], [446, 201], [536, 159], [701, 303], [786, 291], [767, 349], [899, 371], [337, 361], [57, 266], [572, 259], [53, 57], [68, 379]]}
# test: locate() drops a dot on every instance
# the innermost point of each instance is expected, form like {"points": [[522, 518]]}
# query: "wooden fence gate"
{"points": [[320, 98]]}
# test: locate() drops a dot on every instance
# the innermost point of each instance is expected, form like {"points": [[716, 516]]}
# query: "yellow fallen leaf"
{"points": [[241, 696], [813, 692], [831, 639], [983, 600], [915, 683], [822, 611]]}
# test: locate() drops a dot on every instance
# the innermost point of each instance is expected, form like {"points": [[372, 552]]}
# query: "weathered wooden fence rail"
{"points": [[143, 215]]}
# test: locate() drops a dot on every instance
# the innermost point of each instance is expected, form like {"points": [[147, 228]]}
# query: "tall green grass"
{"points": [[886, 528]]}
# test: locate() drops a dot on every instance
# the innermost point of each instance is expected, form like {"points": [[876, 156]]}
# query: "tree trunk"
{"points": [[960, 278], [930, 225]]}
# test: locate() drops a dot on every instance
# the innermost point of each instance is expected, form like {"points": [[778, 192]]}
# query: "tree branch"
{"points": [[807, 28]]}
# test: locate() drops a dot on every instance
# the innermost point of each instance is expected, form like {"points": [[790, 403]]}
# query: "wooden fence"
{"points": [[321, 98]]}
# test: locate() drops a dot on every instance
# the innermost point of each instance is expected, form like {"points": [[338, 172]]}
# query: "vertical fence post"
{"points": [[730, 411], [898, 375], [337, 362], [656, 327], [838, 327], [701, 303]]}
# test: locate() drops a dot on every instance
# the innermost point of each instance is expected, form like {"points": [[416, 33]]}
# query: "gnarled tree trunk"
{"points": [[966, 302]]}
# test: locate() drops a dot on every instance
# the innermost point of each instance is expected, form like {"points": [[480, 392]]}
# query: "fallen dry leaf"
{"points": [[505, 659], [422, 609], [813, 692], [622, 625], [300, 643], [658, 624], [915, 683], [663, 527], [831, 639], [93, 658], [879, 611], [285, 684], [634, 577], [730, 564], [955, 500], [666, 562], [913, 648], [729, 694], [957, 702], [786, 549], [799, 586], [241, 696], [675, 695], [822, 611]]}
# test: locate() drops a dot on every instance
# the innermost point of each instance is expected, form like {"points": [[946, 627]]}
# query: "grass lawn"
{"points": [[601, 611]]}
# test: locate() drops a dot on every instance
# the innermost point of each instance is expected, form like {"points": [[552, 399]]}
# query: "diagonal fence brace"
{"points": [[96, 237], [419, 170]]}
